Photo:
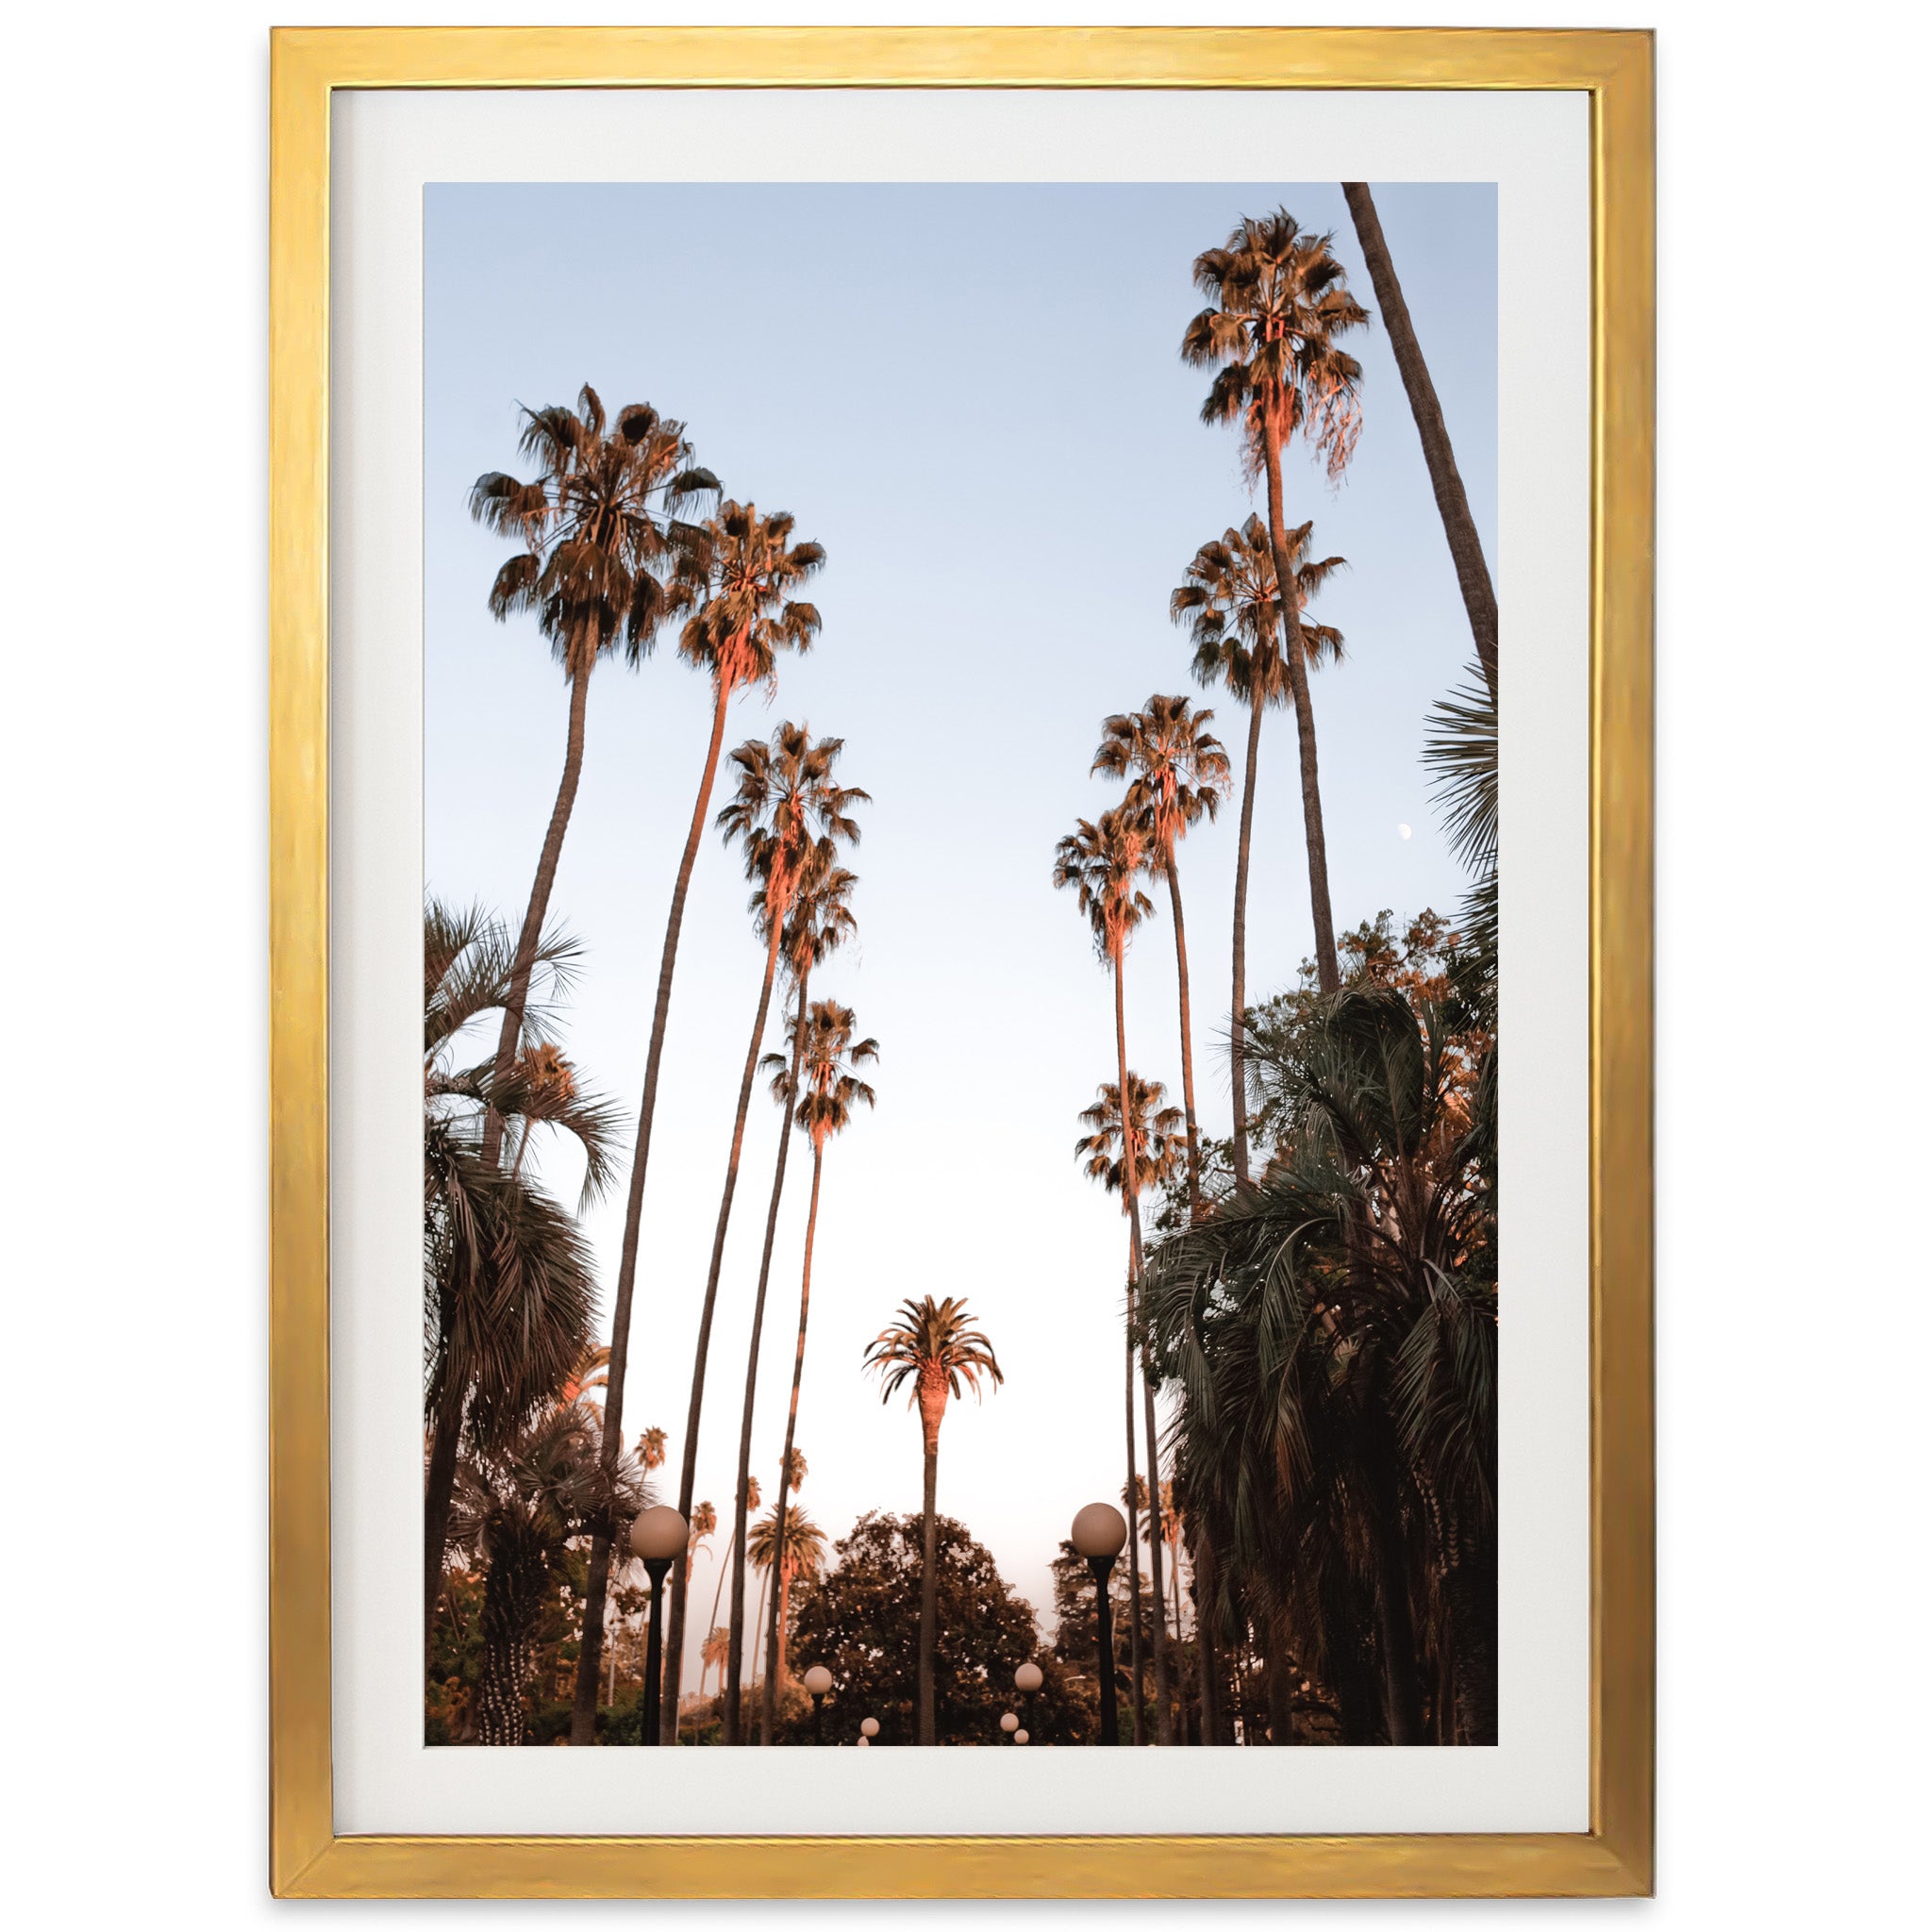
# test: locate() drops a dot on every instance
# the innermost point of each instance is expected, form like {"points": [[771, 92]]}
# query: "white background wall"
{"points": [[1793, 686]]}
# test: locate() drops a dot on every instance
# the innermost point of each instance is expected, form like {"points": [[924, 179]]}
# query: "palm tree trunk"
{"points": [[764, 1591], [531, 936], [1130, 1186], [583, 1720], [742, 1512], [1451, 500], [688, 1473], [1180, 960], [1180, 1676], [781, 1611], [1327, 971], [1134, 1666], [929, 1593], [438, 1486], [1238, 1031], [1205, 1618], [768, 1713]]}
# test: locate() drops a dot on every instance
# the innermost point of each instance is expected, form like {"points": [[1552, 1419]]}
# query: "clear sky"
{"points": [[972, 397]]}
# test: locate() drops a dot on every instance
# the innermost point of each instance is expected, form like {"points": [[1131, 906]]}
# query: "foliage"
{"points": [[860, 1620], [598, 524], [1332, 1336], [1280, 301]]}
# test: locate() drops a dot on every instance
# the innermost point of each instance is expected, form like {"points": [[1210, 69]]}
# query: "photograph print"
{"points": [[960, 928]]}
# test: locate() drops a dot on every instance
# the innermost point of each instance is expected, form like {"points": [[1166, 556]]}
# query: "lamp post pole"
{"points": [[818, 1680], [1100, 1533], [656, 1538]]}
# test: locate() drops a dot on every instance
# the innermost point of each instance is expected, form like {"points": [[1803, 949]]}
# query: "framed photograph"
{"points": [[961, 943]]}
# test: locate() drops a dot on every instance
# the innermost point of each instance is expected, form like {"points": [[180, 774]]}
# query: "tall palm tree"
{"points": [[737, 576], [1101, 864], [824, 1092], [930, 1346], [1158, 1154], [821, 921], [803, 1545], [517, 1507], [508, 1278], [1231, 604], [1445, 480], [790, 815], [1177, 773], [596, 525], [1281, 302]]}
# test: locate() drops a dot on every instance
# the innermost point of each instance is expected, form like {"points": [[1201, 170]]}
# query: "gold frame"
{"points": [[307, 1857]]}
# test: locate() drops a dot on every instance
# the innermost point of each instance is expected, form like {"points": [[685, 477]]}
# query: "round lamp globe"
{"points": [[870, 1729], [1100, 1530], [818, 1680], [1028, 1678], [659, 1534]]}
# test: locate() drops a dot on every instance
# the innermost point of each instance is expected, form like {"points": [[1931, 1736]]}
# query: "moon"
{"points": [[1403, 832]]}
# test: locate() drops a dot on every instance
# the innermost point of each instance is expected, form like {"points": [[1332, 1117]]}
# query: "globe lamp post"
{"points": [[657, 1538], [1100, 1534], [818, 1680]]}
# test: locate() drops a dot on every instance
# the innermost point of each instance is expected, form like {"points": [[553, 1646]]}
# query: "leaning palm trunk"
{"points": [[1237, 1026], [1451, 500], [1130, 1182], [774, 1637], [1294, 649], [688, 1473], [742, 1512], [932, 1407], [1180, 960], [531, 936], [583, 1721]]}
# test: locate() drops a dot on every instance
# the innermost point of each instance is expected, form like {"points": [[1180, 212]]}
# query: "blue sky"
{"points": [[972, 397]]}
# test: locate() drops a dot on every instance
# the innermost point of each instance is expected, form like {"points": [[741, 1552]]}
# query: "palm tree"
{"points": [[596, 526], [1101, 863], [1159, 1154], [736, 576], [1232, 606], [509, 1284], [1333, 1333], [517, 1507], [1280, 302], [712, 1656], [790, 815], [821, 921], [803, 1543], [823, 1090], [931, 1346], [1178, 774], [1451, 500]]}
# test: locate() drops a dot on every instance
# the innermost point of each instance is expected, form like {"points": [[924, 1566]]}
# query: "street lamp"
{"points": [[818, 1680], [1100, 1534], [657, 1538], [1019, 1737], [1010, 1724], [869, 1729]]}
